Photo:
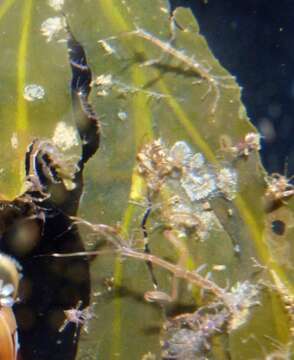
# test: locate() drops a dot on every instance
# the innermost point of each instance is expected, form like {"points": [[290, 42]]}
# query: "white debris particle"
{"points": [[237, 249], [6, 294], [56, 4], [227, 182], [230, 212], [164, 10], [106, 47], [219, 267], [52, 26], [103, 80], [33, 92], [198, 187], [103, 83], [14, 141], [65, 136], [122, 115]]}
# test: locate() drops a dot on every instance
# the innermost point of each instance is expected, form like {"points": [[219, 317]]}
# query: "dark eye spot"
{"points": [[278, 227]]}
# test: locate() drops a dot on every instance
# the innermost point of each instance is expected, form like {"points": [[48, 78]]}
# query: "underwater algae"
{"points": [[185, 154]]}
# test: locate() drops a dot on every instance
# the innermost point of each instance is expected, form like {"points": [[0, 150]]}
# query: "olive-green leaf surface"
{"points": [[183, 95]]}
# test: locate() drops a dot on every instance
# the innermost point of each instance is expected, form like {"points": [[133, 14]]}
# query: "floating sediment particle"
{"points": [[51, 27], [33, 92]]}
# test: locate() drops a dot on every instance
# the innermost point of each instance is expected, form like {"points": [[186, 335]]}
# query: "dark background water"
{"points": [[254, 40]]}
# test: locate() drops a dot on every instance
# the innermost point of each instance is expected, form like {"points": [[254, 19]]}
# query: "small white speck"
{"points": [[237, 249], [219, 267], [103, 80], [122, 115], [33, 92], [164, 10]]}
